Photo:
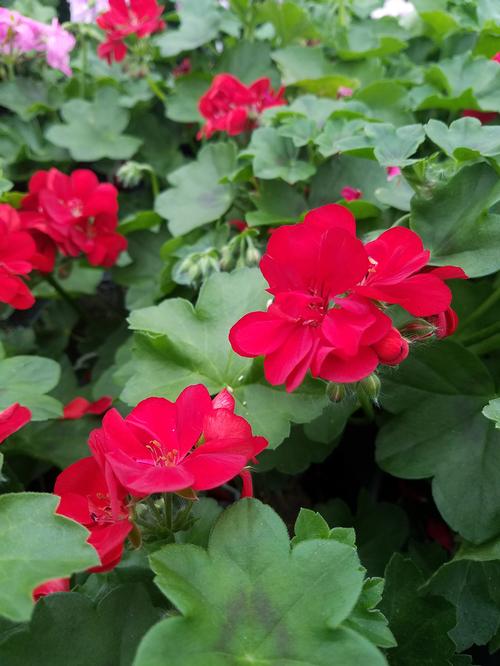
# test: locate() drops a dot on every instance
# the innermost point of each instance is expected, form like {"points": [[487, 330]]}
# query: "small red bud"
{"points": [[393, 349]]}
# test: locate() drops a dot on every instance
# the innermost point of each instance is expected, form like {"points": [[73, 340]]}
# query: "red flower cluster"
{"points": [[125, 18], [231, 106], [75, 214], [329, 294], [17, 252], [12, 419], [192, 444]]}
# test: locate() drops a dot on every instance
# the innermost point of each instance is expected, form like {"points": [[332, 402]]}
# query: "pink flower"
{"points": [[164, 446], [231, 106], [79, 407], [58, 45], [351, 193], [12, 419], [392, 172], [344, 91]]}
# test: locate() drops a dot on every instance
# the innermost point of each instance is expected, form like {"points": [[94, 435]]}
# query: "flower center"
{"points": [[160, 458], [76, 207]]}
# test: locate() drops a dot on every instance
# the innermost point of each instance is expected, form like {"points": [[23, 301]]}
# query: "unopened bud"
{"points": [[392, 349], [418, 329], [338, 392], [252, 255], [369, 388], [130, 174]]}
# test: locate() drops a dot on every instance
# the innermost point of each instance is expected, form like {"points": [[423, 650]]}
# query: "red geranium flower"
{"points": [[77, 212], [231, 106], [162, 446], [328, 290], [12, 419], [87, 498], [124, 18], [50, 587], [396, 274], [17, 250], [79, 407]]}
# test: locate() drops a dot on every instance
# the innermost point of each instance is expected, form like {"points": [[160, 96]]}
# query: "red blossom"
{"points": [[80, 406], [125, 18], [328, 291], [17, 250], [438, 531], [12, 419], [50, 587], [76, 212], [239, 225], [392, 172], [351, 193], [87, 497], [183, 68], [231, 106], [164, 446]]}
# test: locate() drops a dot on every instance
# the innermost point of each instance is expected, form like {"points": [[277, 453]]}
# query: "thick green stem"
{"points": [[156, 89], [168, 508]]}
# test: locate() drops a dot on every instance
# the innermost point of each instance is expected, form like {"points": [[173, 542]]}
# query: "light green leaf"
{"points": [[182, 103], [251, 599], [371, 39], [93, 130], [197, 195], [274, 156], [454, 222], [394, 146], [36, 546], [290, 21], [178, 345], [199, 23], [492, 411], [465, 138], [26, 379], [277, 203]]}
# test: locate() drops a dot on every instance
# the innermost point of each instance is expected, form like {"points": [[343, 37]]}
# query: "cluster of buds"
{"points": [[367, 390]]}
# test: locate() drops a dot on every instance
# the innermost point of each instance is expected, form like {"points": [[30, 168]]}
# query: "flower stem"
{"points": [[64, 294], [484, 307], [486, 346], [83, 71], [476, 336], [168, 508], [156, 89]]}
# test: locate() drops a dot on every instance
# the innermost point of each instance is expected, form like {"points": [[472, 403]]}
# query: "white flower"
{"points": [[86, 11], [396, 8]]}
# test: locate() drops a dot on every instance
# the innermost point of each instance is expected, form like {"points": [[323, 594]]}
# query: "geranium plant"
{"points": [[249, 336]]}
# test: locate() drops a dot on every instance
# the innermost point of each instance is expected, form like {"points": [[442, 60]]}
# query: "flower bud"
{"points": [[369, 387], [252, 255], [393, 349], [337, 392], [418, 329], [130, 174]]}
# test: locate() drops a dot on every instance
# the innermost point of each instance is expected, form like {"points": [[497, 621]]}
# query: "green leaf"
{"points": [[182, 103], [454, 222], [28, 97], [307, 67], [69, 628], [388, 101], [473, 588], [36, 546], [290, 21], [197, 196], [371, 39], [419, 623], [277, 203], [443, 434], [274, 156], [93, 130], [250, 599], [394, 146], [178, 345], [26, 379], [465, 138], [249, 61], [199, 23], [381, 528], [367, 619]]}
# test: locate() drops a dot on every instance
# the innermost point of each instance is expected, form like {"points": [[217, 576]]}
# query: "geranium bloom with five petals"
{"points": [[327, 313], [77, 212], [87, 497], [124, 18], [231, 106], [163, 446], [17, 250]]}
